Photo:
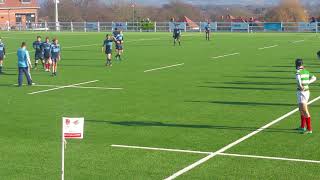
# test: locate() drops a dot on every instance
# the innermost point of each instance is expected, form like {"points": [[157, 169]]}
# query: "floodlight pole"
{"points": [[57, 15]]}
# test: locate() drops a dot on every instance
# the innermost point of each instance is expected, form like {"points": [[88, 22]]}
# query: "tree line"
{"points": [[123, 10]]}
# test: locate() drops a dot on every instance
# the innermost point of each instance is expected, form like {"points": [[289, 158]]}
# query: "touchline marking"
{"points": [[268, 157], [62, 87], [188, 168], [160, 149], [268, 47], [233, 54], [165, 67]]}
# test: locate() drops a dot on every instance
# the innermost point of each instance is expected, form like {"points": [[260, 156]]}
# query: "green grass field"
{"points": [[201, 105]]}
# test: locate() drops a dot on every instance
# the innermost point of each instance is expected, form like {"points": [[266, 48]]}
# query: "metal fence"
{"points": [[165, 26]]}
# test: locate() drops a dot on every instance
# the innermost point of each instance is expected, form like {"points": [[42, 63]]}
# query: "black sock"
{"points": [[0, 69], [35, 65]]}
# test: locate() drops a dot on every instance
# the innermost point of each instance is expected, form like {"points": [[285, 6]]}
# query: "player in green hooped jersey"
{"points": [[304, 79]]}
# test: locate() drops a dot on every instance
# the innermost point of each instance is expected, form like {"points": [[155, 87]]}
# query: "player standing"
{"points": [[47, 54], [176, 35], [208, 30], [55, 56], [119, 45], [2, 54], [107, 48], [37, 46], [115, 32], [304, 79]]}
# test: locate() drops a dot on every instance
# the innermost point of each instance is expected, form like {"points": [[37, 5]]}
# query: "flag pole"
{"points": [[62, 154]]}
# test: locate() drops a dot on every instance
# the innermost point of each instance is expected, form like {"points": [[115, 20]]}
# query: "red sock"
{"points": [[309, 124], [303, 122]]}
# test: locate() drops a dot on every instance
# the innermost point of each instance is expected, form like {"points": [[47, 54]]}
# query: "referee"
{"points": [[24, 64]]}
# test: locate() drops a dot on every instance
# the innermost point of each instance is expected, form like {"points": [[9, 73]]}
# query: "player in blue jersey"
{"points": [[176, 35], [207, 29], [37, 46], [107, 48], [2, 54], [119, 45], [47, 54], [55, 55], [115, 32]]}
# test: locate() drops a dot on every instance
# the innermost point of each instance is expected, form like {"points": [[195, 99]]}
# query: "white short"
{"points": [[303, 97]]}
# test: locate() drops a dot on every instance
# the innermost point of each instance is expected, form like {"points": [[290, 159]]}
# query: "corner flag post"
{"points": [[72, 128]]}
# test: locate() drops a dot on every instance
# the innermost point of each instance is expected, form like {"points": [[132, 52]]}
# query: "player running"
{"points": [[107, 48], [304, 79], [208, 31], [47, 54], [176, 36], [55, 55], [2, 54], [119, 45], [37, 46]]}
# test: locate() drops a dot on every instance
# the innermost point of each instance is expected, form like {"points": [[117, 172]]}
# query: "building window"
{"points": [[1, 1], [25, 1]]}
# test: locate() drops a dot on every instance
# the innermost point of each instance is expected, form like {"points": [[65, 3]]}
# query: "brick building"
{"points": [[13, 12]]}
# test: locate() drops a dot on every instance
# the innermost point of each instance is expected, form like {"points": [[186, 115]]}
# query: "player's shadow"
{"points": [[8, 74], [247, 88], [244, 103], [175, 125], [264, 77], [260, 83]]}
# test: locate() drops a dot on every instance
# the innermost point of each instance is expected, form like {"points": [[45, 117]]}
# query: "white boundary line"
{"points": [[220, 154], [165, 67], [62, 87], [188, 168], [79, 87], [160, 149], [268, 47], [268, 157], [233, 54]]}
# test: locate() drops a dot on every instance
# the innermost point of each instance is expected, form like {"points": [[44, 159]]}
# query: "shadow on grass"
{"points": [[264, 77], [216, 127], [247, 88], [244, 103]]}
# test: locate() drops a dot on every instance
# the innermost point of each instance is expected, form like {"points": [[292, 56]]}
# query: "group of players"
{"points": [[48, 53], [177, 34], [118, 39]]}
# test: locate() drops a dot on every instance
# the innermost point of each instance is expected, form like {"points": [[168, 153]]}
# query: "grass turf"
{"points": [[203, 105]]}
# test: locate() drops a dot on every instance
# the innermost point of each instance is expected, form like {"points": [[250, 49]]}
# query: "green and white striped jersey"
{"points": [[304, 78]]}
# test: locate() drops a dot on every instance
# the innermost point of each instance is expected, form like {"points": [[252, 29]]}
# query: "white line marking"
{"points": [[268, 157], [233, 54], [188, 168], [221, 154], [165, 67], [298, 41], [79, 87], [268, 47], [62, 87], [160, 149]]}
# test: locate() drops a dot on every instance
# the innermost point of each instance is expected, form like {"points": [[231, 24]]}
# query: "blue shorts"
{"points": [[108, 51], [55, 59], [38, 56], [46, 56], [119, 47]]}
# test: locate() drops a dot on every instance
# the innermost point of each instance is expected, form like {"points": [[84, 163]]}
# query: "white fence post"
{"points": [[155, 26], [85, 26], [71, 26], [98, 26], [185, 27]]}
